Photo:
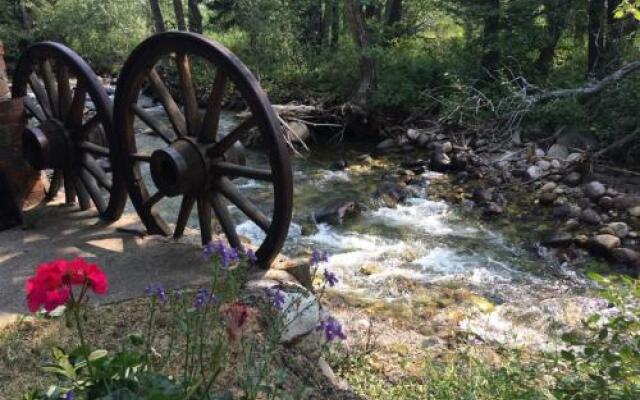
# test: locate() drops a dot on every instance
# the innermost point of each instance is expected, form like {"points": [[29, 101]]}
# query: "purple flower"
{"points": [[227, 255], [330, 278], [251, 256], [277, 296], [157, 290], [69, 396], [177, 292], [332, 329], [317, 257], [203, 297]]}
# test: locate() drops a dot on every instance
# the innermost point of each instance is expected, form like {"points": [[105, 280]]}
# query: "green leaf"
{"points": [[136, 339], [568, 355], [97, 354]]}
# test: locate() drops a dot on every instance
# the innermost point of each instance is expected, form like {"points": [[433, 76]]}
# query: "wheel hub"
{"points": [[47, 146], [180, 168]]}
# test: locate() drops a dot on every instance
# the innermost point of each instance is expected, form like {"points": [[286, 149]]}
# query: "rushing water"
{"points": [[423, 241]]}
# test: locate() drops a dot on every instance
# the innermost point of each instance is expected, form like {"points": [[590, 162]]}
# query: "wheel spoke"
{"points": [[54, 185], [204, 217], [223, 216], [96, 171], [235, 170], [34, 109], [50, 86], [155, 125], [76, 109], [83, 132], [228, 190], [173, 111], [188, 93], [226, 142], [137, 157], [94, 148], [153, 200], [94, 191], [69, 187], [64, 90], [183, 216], [40, 93], [83, 195], [209, 130]]}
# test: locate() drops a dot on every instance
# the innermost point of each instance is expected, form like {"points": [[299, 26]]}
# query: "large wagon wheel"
{"points": [[192, 158], [69, 135]]}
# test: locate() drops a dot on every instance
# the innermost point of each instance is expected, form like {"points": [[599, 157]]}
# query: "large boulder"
{"points": [[603, 244], [625, 256], [337, 211], [390, 194], [619, 229], [558, 152]]}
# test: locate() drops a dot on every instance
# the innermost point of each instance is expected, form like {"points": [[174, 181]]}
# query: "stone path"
{"points": [[131, 261]]}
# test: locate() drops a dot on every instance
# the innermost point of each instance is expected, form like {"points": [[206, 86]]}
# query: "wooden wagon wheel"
{"points": [[70, 133], [194, 160]]}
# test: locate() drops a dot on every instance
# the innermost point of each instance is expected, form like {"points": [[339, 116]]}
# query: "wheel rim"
{"points": [[197, 162], [65, 136]]}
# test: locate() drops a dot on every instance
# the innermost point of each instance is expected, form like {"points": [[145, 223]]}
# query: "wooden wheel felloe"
{"points": [[191, 158], [70, 133]]}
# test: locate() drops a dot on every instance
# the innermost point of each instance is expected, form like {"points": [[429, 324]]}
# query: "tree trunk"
{"points": [[491, 36], [556, 12], [614, 38], [156, 13], [327, 23], [357, 24], [596, 37], [195, 18], [313, 30], [335, 24], [178, 10], [392, 12]]}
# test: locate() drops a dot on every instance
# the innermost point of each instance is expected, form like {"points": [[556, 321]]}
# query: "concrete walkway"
{"points": [[131, 261]]}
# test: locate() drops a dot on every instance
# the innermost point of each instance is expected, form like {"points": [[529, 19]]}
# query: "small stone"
{"points": [[548, 187], [584, 202], [606, 203], [482, 195], [543, 164], [555, 164], [634, 211], [540, 153], [566, 211], [413, 134], [386, 144], [423, 140], [624, 202], [603, 243], [625, 256], [339, 165], [336, 211], [557, 239], [370, 269], [492, 209], [594, 190], [620, 229], [534, 172], [590, 216], [547, 198], [582, 240], [365, 159], [560, 201], [572, 224], [440, 162], [573, 179], [447, 147], [558, 152], [573, 157]]}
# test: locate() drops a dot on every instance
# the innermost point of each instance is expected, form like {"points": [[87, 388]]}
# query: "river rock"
{"points": [[413, 134], [482, 195], [634, 211], [619, 229], [625, 256], [606, 203], [557, 239], [558, 152], [555, 164], [460, 161], [440, 162], [547, 198], [492, 209], [534, 172], [590, 216], [603, 244], [336, 211], [386, 144], [423, 140], [298, 132], [391, 193], [548, 187], [624, 202], [543, 164], [365, 159], [573, 179], [339, 165], [566, 211], [594, 190], [447, 147], [299, 268]]}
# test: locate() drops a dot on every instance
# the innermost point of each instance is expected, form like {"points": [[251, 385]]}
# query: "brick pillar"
{"points": [[23, 182]]}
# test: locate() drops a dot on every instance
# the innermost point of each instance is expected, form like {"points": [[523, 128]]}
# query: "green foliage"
{"points": [[103, 31]]}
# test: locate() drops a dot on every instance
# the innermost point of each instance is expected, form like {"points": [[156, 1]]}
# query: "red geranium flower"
{"points": [[53, 282]]}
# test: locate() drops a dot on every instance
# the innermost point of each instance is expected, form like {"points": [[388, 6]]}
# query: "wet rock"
{"points": [[555, 164], [619, 229], [572, 224], [590, 216], [606, 203], [603, 244], [625, 256], [492, 209], [299, 268], [298, 132], [386, 144], [594, 190], [547, 198], [482, 195], [539, 152], [634, 211], [440, 162], [534, 172], [460, 161], [423, 140], [548, 187], [413, 134], [625, 202], [370, 269], [566, 211], [336, 211], [557, 239], [417, 166], [391, 194], [543, 164], [584, 202], [365, 158], [582, 240], [558, 152], [573, 179], [447, 147], [338, 165]]}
